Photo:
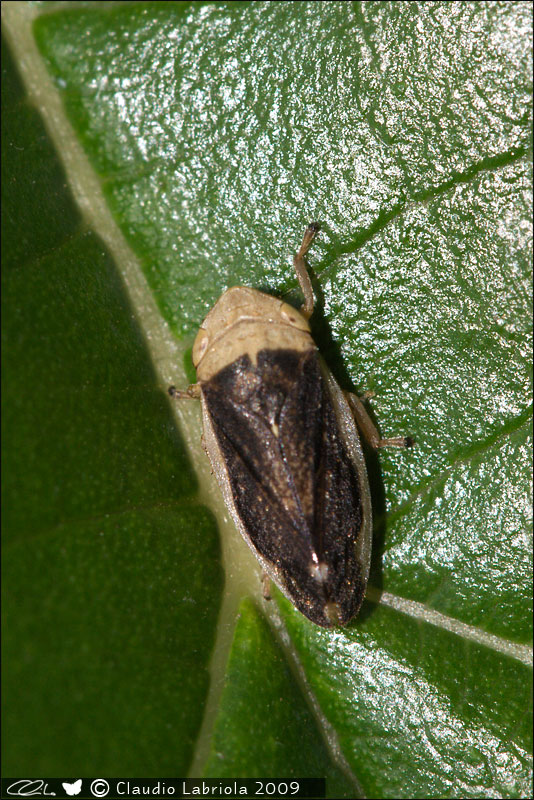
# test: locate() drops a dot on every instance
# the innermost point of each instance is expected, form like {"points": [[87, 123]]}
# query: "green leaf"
{"points": [[258, 678], [417, 707], [217, 131], [112, 570]]}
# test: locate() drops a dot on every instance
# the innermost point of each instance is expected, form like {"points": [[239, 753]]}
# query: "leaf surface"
{"points": [[217, 131]]}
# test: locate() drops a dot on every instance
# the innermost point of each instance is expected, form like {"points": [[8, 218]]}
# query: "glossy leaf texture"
{"points": [[218, 131]]}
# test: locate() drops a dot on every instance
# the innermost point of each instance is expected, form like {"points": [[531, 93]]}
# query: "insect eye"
{"points": [[288, 317]]}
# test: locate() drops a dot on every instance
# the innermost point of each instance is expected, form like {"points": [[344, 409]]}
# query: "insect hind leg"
{"points": [[369, 429]]}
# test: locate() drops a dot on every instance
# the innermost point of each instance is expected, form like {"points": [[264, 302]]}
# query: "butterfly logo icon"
{"points": [[73, 788]]}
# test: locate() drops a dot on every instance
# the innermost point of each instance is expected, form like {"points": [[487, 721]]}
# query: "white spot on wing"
{"points": [[319, 572]]}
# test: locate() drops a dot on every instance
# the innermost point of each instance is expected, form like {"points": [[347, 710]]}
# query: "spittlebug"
{"points": [[284, 447]]}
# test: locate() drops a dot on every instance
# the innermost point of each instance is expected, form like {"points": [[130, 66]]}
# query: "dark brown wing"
{"points": [[293, 483]]}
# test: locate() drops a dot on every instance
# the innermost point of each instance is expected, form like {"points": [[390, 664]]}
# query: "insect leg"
{"points": [[266, 583], [368, 428], [300, 269], [192, 392]]}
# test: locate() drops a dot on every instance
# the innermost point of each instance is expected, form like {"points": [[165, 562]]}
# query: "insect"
{"points": [[284, 447]]}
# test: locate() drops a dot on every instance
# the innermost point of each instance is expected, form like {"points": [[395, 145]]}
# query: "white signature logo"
{"points": [[29, 788]]}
